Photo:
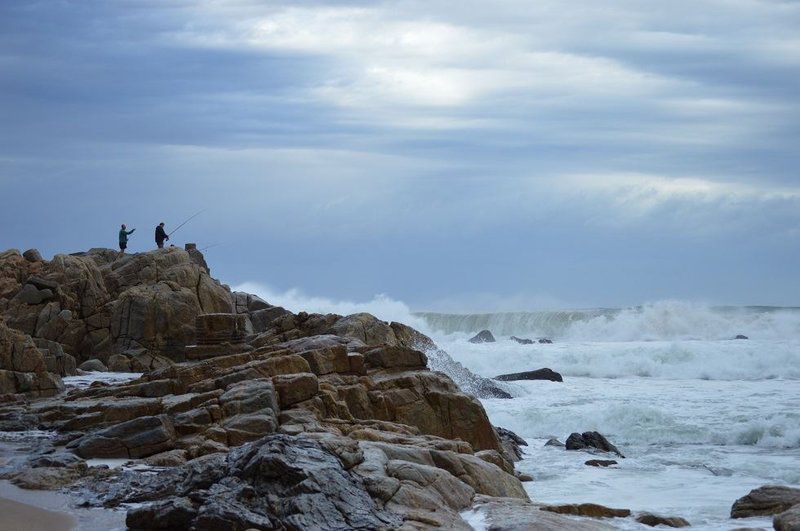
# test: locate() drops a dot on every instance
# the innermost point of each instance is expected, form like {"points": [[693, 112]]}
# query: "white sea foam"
{"points": [[664, 320], [708, 360]]}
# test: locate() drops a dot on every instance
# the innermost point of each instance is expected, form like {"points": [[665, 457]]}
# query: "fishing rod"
{"points": [[210, 246], [185, 222]]}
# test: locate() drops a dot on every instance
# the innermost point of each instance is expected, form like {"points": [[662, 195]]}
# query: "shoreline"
{"points": [[35, 510]]}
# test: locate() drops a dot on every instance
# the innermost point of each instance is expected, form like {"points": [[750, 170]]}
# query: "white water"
{"points": [[702, 419]]}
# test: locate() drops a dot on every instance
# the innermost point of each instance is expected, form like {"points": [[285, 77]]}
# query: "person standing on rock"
{"points": [[161, 235], [123, 239]]}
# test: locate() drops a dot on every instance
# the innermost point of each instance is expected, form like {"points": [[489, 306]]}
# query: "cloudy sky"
{"points": [[453, 155]]}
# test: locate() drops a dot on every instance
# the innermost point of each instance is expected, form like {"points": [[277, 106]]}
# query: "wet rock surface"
{"points": [[484, 336], [765, 501], [591, 440], [592, 510], [654, 520], [538, 374]]}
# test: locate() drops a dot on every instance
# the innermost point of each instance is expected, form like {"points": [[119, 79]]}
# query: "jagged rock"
{"points": [[93, 365], [741, 336], [32, 255], [176, 513], [511, 443], [603, 463], [554, 442], [484, 336], [787, 520], [591, 440], [654, 520], [545, 341], [522, 340], [592, 510], [765, 501], [538, 374], [279, 479]]}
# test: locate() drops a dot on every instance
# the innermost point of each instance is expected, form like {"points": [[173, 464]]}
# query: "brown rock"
{"points": [[765, 501], [592, 510], [600, 462], [294, 388], [787, 520], [654, 520]]}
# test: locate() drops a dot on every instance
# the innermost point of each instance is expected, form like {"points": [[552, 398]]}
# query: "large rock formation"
{"points": [[264, 418], [96, 304]]}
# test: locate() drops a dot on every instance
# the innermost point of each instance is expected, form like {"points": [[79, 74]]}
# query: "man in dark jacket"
{"points": [[123, 239], [161, 235]]}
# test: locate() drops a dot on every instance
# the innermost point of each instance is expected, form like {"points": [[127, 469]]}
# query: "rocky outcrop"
{"points": [[96, 304], [484, 336], [591, 440], [263, 418], [538, 374], [766, 501], [403, 436]]}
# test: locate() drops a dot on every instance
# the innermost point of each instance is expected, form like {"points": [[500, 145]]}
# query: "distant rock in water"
{"points": [[591, 439], [538, 374], [603, 463], [654, 520], [741, 336], [484, 336], [554, 442], [524, 340]]}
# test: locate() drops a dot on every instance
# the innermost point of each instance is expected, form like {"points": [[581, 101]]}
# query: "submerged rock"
{"points": [[484, 336], [654, 520], [600, 462], [741, 336], [522, 340], [538, 374], [592, 510], [591, 440], [765, 501]]}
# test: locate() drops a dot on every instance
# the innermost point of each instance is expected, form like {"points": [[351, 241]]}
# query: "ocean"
{"points": [[702, 418]]}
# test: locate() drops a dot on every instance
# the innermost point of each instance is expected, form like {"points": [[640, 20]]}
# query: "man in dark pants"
{"points": [[123, 239], [161, 235]]}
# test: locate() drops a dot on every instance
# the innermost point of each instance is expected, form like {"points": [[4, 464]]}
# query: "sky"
{"points": [[469, 156]]}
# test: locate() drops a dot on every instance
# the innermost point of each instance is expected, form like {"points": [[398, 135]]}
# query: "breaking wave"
{"points": [[666, 320]]}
